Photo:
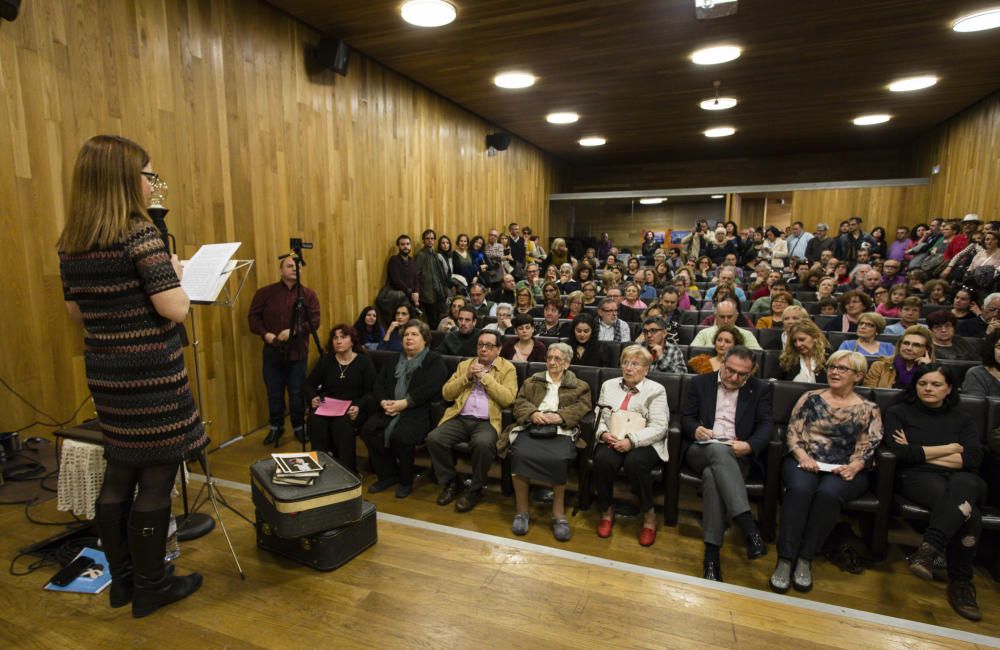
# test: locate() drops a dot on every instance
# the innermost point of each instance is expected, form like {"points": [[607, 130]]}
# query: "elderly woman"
{"points": [[870, 325], [550, 325], [832, 436], [590, 293], [852, 304], [403, 394], [985, 379], [914, 348], [566, 282], [942, 325], [545, 436], [631, 297], [825, 288], [804, 355], [938, 452], [725, 338], [583, 342], [525, 347], [780, 301], [344, 374], [504, 323], [639, 441]]}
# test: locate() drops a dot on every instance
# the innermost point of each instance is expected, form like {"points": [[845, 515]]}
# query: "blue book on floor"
{"points": [[93, 580]]}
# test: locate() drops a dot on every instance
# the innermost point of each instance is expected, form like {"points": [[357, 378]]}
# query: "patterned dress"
{"points": [[836, 435], [132, 355]]}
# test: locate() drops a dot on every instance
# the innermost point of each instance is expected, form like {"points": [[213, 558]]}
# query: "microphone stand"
{"points": [[297, 327]]}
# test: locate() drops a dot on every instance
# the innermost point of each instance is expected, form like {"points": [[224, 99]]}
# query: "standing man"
{"points": [[854, 240], [820, 242], [480, 388], [798, 241], [403, 271], [727, 423], [286, 352], [518, 249], [432, 281], [898, 248]]}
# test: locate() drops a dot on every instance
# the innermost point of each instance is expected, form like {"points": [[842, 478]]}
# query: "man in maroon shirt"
{"points": [[286, 352]]}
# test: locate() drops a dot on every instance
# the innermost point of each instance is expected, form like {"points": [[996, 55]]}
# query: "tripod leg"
{"points": [[210, 482]]}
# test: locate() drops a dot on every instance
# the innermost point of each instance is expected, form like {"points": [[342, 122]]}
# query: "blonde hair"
{"points": [[105, 195], [790, 355], [854, 360], [922, 332], [875, 319], [636, 352]]}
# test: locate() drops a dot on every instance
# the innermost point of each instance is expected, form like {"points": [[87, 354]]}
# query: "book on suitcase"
{"points": [[325, 550], [333, 499]]}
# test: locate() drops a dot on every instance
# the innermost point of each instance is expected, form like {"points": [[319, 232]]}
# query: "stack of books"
{"points": [[296, 469]]}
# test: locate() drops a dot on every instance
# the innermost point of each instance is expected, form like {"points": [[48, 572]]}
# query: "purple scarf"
{"points": [[904, 377]]}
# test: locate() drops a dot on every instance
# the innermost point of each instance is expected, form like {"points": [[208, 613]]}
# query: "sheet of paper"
{"points": [[712, 441], [207, 271], [330, 407], [826, 467]]}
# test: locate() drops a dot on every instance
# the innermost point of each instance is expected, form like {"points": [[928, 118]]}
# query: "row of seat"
{"points": [[876, 508]]}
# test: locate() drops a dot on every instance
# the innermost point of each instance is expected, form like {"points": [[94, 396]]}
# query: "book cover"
{"points": [[92, 581], [298, 463]]}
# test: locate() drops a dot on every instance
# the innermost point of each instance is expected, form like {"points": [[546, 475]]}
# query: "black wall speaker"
{"points": [[9, 8], [334, 54], [499, 141]]}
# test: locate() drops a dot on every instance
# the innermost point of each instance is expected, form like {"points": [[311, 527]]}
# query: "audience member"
{"points": [[505, 320], [985, 379], [392, 340], [370, 332], [898, 248], [587, 351], [870, 325], [798, 241], [946, 346], [853, 304], [450, 322], [610, 327], [913, 349], [667, 357], [505, 292], [987, 322], [909, 315], [525, 347], [820, 243], [803, 357], [780, 301], [965, 306], [461, 342], [463, 261], [726, 313], [893, 302], [433, 284], [725, 338], [402, 270], [478, 301]]}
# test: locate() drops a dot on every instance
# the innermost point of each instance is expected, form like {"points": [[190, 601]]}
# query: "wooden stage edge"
{"points": [[729, 602]]}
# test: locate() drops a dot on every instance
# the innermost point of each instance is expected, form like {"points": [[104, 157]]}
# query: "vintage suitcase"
{"points": [[327, 550], [292, 511]]}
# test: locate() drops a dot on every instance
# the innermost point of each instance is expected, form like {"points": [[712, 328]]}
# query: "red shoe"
{"points": [[604, 528], [647, 536]]}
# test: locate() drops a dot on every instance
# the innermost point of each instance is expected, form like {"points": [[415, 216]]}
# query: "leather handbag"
{"points": [[623, 423], [543, 431]]}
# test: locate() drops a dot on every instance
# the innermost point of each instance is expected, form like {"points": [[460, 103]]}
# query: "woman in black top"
{"points": [[344, 373], [370, 331], [583, 340], [649, 246], [938, 453]]}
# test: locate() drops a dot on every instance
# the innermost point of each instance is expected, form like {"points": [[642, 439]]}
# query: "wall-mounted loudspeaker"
{"points": [[334, 54], [498, 141], [9, 8]]}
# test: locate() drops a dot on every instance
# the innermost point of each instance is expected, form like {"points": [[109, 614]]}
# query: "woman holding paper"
{"points": [[341, 384], [631, 431], [832, 436]]}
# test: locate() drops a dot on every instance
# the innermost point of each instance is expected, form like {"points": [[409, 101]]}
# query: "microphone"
{"points": [[159, 217]]}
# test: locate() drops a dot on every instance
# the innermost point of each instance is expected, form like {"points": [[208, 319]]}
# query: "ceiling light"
{"points": [[428, 13], [656, 201], [716, 54], [913, 83], [977, 22], [718, 103], [720, 132], [592, 141], [514, 79], [718, 196], [561, 118], [868, 120]]}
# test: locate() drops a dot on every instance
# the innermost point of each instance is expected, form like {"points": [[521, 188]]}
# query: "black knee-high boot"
{"points": [[155, 586], [112, 522]]}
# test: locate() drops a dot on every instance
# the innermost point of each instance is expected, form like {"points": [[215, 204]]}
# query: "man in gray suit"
{"points": [[432, 280]]}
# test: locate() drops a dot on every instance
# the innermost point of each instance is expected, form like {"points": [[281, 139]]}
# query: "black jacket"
{"points": [[424, 388], [754, 418]]}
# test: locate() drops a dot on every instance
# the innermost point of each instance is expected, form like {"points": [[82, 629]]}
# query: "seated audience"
{"points": [[987, 322], [566, 282], [894, 303], [610, 327], [727, 275], [370, 331], [914, 348], [590, 291], [668, 303], [505, 292], [825, 288], [985, 379], [667, 357], [834, 426], [478, 301], [942, 325], [936, 292], [852, 304], [780, 300], [962, 304], [525, 347], [583, 341], [909, 315], [479, 389], [392, 340], [343, 373], [524, 301], [891, 275], [804, 356], [574, 305], [461, 342], [722, 447], [828, 307], [726, 313], [450, 322], [631, 299], [870, 325], [551, 293], [403, 394], [545, 436], [726, 337], [938, 453], [792, 315], [550, 325], [504, 323], [638, 442]]}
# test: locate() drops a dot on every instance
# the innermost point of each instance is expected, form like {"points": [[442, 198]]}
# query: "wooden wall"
{"points": [[625, 220], [256, 149], [967, 148], [878, 206]]}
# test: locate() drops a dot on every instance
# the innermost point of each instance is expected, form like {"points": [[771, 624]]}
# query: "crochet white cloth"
{"points": [[81, 471]]}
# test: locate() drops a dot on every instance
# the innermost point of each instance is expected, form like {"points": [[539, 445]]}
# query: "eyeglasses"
{"points": [[651, 331], [632, 363], [610, 311], [830, 369], [554, 357], [736, 373], [486, 346], [152, 176]]}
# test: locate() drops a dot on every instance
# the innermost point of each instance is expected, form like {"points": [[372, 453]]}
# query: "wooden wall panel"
{"points": [[625, 222], [967, 147], [878, 206], [256, 148]]}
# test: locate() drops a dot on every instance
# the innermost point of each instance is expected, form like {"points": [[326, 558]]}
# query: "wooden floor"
{"points": [[433, 588]]}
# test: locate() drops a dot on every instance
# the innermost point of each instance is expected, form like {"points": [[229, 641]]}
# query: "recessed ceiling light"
{"points": [[907, 84], [592, 141], [720, 132], [977, 22], [716, 54], [718, 196], [428, 13], [514, 79], [718, 103], [561, 118], [655, 201], [868, 120]]}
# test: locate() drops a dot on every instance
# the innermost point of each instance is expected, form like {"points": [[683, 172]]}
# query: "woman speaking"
{"points": [[121, 283]]}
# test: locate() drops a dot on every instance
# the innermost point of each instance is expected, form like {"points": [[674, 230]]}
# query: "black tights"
{"points": [[155, 486]]}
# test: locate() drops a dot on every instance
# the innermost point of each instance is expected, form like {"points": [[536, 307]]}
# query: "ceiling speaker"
{"points": [[498, 141], [9, 8], [334, 54]]}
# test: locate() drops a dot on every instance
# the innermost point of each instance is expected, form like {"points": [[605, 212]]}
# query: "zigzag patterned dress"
{"points": [[132, 355]]}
